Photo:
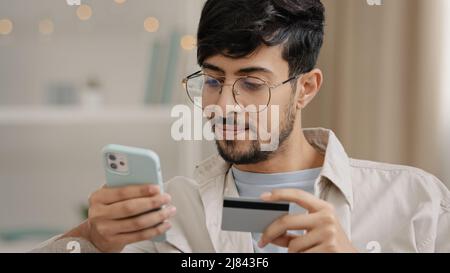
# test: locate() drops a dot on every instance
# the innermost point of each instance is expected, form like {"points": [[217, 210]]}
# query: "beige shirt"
{"points": [[381, 207]]}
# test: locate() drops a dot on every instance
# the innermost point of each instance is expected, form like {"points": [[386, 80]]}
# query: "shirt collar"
{"points": [[336, 167]]}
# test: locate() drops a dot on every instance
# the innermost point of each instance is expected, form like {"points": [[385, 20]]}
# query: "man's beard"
{"points": [[228, 148]]}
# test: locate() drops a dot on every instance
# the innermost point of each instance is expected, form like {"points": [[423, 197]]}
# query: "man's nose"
{"points": [[226, 100]]}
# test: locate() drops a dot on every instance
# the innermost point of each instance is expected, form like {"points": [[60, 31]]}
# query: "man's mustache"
{"points": [[233, 122]]}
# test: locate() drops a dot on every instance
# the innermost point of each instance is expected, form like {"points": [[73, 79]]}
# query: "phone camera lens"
{"points": [[112, 157], [113, 166]]}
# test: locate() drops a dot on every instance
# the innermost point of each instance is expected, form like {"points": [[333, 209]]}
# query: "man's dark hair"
{"points": [[236, 28]]}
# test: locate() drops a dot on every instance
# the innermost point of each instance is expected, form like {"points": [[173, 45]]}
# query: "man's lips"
{"points": [[230, 128]]}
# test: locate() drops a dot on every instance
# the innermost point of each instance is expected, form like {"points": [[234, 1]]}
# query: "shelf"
{"points": [[54, 115]]}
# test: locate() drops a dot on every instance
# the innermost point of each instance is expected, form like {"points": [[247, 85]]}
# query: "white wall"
{"points": [[112, 45], [49, 166], [47, 170]]}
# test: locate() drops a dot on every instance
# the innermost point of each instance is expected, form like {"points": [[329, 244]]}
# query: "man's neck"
{"points": [[294, 154]]}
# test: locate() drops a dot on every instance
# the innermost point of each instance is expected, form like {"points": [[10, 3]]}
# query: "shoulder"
{"points": [[182, 188], [402, 179]]}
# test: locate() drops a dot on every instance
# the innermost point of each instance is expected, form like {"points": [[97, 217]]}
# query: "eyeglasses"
{"points": [[247, 90]]}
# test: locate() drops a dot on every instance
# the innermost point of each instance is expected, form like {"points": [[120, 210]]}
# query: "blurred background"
{"points": [[74, 78]]}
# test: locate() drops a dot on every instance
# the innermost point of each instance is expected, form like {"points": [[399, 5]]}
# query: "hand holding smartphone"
{"points": [[125, 166], [132, 206]]}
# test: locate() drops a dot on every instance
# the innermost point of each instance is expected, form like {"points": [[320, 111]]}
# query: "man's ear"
{"points": [[308, 86]]}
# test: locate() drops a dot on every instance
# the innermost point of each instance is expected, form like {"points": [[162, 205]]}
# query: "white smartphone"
{"points": [[126, 166]]}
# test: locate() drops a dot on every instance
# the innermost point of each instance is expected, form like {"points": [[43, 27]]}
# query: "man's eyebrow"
{"points": [[213, 67], [253, 69], [245, 70]]}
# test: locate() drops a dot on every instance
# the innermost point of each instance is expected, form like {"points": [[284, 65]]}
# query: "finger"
{"points": [[301, 198], [141, 222], [304, 242], [112, 195], [283, 240], [133, 207], [316, 249], [289, 222], [142, 235]]}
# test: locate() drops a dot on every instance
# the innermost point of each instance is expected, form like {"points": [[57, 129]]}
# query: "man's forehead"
{"points": [[264, 57]]}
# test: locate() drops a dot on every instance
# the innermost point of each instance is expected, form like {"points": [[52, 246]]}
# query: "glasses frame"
{"points": [[235, 92]]}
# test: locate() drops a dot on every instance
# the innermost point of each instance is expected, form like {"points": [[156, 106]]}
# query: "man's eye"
{"points": [[210, 82], [252, 85]]}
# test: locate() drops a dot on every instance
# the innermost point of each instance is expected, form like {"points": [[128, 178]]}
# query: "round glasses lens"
{"points": [[252, 94], [204, 87]]}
